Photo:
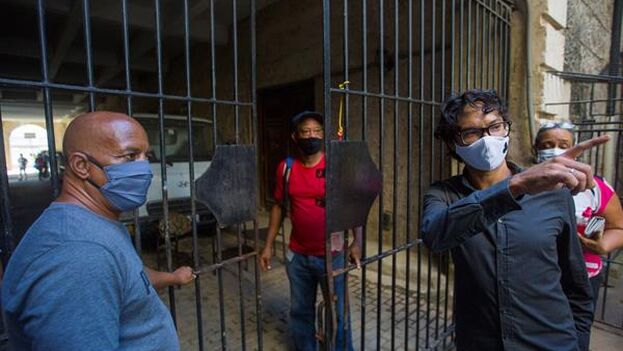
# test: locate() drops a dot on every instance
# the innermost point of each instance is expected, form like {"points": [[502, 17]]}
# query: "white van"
{"points": [[177, 161]]}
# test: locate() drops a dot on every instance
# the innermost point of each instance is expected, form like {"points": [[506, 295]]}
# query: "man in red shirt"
{"points": [[305, 258]]}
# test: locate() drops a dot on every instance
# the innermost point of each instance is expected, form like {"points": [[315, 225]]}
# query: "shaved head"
{"points": [[93, 131]]}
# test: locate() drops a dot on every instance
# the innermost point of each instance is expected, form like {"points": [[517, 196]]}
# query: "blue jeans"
{"points": [[305, 274]]}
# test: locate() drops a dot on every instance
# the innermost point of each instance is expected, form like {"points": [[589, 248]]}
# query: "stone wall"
{"points": [[587, 48], [588, 51]]}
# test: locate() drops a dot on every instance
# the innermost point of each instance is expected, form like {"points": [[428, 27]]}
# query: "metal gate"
{"points": [[387, 67], [397, 59], [596, 109], [143, 38]]}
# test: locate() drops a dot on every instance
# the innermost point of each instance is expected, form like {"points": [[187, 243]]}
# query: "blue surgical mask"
{"points": [[546, 154], [127, 185]]}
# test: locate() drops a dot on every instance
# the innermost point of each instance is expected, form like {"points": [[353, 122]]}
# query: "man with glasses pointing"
{"points": [[520, 279]]}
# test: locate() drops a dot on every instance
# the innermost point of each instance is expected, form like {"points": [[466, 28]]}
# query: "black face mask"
{"points": [[309, 146]]}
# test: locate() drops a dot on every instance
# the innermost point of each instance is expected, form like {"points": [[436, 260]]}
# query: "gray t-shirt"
{"points": [[75, 282]]}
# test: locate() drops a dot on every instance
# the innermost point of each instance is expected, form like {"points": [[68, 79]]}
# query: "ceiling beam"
{"points": [[70, 30], [146, 41], [17, 47], [140, 17]]}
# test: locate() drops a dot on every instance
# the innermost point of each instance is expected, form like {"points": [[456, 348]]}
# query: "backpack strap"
{"points": [[287, 169]]}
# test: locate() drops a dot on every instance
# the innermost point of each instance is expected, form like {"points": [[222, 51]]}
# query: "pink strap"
{"points": [[606, 193]]}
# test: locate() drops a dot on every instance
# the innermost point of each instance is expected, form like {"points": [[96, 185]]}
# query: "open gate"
{"points": [[387, 67], [188, 70]]}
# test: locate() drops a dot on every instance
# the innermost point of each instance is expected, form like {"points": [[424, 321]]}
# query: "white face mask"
{"points": [[486, 154], [546, 154]]}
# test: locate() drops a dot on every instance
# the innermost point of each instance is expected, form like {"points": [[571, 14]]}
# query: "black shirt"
{"points": [[521, 282]]}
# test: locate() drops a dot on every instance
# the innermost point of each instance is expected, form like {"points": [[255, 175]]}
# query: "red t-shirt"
{"points": [[307, 206]]}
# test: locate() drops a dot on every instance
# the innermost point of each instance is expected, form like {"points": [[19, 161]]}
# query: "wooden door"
{"points": [[276, 107]]}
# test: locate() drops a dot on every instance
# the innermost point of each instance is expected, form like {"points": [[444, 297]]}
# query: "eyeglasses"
{"points": [[557, 124], [471, 135]]}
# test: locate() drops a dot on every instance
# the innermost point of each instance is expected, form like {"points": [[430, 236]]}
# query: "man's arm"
{"points": [[574, 279], [612, 237], [447, 225], [276, 216], [180, 276], [274, 222]]}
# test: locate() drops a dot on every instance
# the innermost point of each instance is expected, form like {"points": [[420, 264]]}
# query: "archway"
{"points": [[28, 140]]}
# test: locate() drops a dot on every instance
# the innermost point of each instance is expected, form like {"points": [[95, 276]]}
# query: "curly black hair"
{"points": [[454, 105]]}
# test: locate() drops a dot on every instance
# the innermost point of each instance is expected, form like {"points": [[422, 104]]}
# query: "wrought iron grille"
{"points": [[401, 58], [595, 109]]}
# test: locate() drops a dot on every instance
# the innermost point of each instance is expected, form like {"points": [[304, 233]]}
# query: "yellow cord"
{"points": [[340, 127]]}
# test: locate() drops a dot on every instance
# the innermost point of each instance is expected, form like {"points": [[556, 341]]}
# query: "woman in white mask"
{"points": [[552, 139]]}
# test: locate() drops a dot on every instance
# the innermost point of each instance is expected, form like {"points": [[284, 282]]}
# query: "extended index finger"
{"points": [[579, 148]]}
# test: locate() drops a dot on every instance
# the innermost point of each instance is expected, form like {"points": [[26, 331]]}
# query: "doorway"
{"points": [[276, 106]]}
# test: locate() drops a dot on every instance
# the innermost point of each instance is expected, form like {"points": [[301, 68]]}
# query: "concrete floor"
{"points": [[606, 338]]}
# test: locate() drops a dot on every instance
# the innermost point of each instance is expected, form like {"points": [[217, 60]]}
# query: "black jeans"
{"points": [[596, 283]]}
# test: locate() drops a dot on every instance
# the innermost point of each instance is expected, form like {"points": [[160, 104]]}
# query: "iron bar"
{"points": [[506, 45], [385, 96], [594, 123], [490, 41], [441, 96], [345, 136], [599, 131], [107, 91], [258, 282], [462, 32], [431, 168], [234, 5], [219, 234], [88, 50], [477, 44], [163, 161], [129, 107], [420, 171], [395, 175], [364, 136], [469, 68], [379, 257], [433, 75], [215, 267], [8, 241], [615, 51], [329, 327], [499, 51], [47, 98], [346, 69], [409, 192], [239, 241], [575, 102], [191, 175], [381, 133]]}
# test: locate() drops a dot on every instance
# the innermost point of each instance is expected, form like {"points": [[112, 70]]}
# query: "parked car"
{"points": [[176, 166]]}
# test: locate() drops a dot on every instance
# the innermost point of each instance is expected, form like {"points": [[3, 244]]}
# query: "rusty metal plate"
{"points": [[353, 184], [228, 186]]}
